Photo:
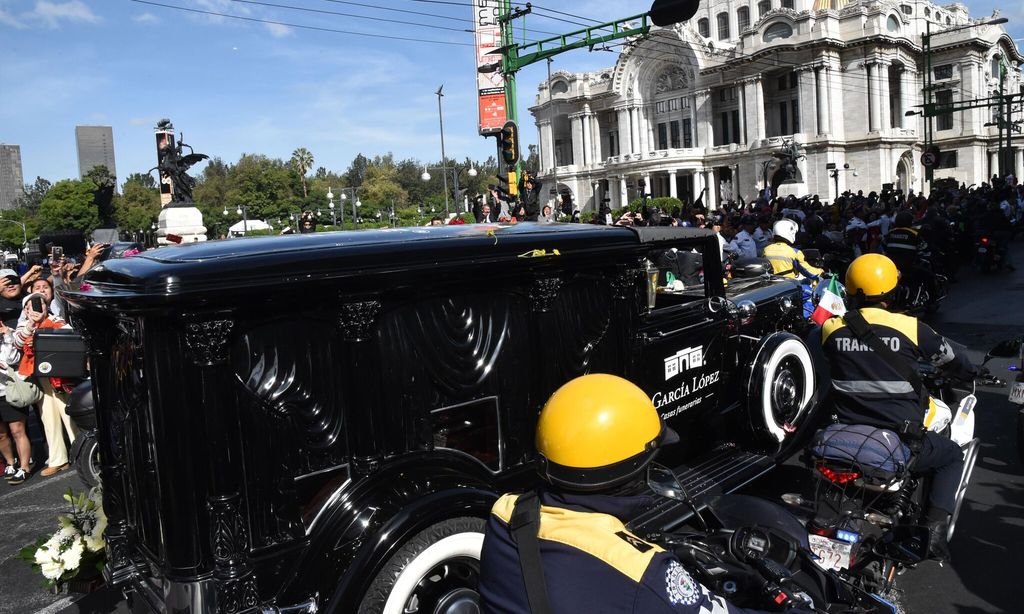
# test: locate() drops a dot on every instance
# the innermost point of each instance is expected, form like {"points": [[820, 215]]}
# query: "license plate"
{"points": [[831, 553], [982, 250], [1017, 393]]}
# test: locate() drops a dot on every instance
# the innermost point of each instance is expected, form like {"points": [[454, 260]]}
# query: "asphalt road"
{"points": [[988, 548]]}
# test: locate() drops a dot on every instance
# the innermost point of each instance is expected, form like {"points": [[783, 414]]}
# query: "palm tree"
{"points": [[302, 161]]}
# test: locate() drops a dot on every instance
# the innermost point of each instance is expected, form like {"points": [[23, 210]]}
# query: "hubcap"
{"points": [[787, 392], [448, 588]]}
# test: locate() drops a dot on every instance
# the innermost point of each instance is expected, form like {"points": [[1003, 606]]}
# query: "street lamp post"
{"points": [[334, 215], [444, 160], [355, 203], [243, 211], [456, 171], [24, 233]]}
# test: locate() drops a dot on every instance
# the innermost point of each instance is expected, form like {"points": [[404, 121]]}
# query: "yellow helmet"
{"points": [[871, 276], [598, 431]]}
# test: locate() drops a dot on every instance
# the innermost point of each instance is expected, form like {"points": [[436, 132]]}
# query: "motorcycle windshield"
{"points": [[737, 511]]}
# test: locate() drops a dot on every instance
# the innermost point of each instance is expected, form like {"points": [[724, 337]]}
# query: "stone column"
{"points": [[711, 197], [836, 102], [585, 124], [624, 139], [595, 139], [1018, 164], [993, 164], [805, 104], [672, 190], [882, 77], [702, 125], [577, 138], [642, 130], [634, 131], [871, 70], [821, 100], [698, 185], [647, 184], [547, 147], [623, 193]]}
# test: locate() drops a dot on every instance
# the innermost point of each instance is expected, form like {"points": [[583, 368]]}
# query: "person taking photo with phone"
{"points": [[53, 406]]}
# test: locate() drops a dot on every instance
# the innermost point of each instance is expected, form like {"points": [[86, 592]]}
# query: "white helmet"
{"points": [[786, 229]]}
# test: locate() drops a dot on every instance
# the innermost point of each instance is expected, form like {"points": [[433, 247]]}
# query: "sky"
{"points": [[235, 86]]}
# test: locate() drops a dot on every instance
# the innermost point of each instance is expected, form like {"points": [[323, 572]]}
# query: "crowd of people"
{"points": [[28, 303]]}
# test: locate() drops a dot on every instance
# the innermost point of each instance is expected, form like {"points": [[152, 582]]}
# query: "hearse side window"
{"points": [[472, 428], [680, 276]]}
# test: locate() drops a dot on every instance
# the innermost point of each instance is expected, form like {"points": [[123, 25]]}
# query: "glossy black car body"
{"points": [[278, 416]]}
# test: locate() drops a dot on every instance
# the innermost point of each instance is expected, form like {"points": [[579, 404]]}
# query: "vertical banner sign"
{"points": [[490, 85]]}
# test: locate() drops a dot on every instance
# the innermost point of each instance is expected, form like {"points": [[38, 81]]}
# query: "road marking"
{"points": [[39, 484], [56, 606], [27, 509]]}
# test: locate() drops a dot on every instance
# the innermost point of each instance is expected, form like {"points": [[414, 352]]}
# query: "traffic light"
{"points": [[508, 143]]}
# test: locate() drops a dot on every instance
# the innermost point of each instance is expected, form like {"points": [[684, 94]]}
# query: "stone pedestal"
{"points": [[182, 220]]}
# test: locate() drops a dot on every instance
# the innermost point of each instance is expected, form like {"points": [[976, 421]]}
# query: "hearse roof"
{"points": [[257, 261]]}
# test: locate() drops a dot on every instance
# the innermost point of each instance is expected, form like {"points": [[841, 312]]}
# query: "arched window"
{"points": [[994, 67], [777, 30], [763, 7], [704, 28], [723, 26], [927, 12], [742, 19], [907, 9], [559, 87], [892, 24], [787, 4], [949, 20]]}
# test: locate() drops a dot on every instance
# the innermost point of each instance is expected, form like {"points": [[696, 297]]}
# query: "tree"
{"points": [[138, 207], [142, 179], [302, 161], [103, 197], [70, 205], [357, 170], [34, 194]]}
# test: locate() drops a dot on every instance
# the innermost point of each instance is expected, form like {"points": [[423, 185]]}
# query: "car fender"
{"points": [[376, 514]]}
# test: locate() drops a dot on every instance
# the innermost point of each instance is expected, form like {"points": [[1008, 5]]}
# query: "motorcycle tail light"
{"points": [[823, 531], [838, 477], [984, 240]]}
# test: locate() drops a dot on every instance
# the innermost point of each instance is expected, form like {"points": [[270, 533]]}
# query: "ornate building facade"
{"points": [[700, 108]]}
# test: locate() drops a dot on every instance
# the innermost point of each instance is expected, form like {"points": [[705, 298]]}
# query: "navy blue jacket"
{"points": [[591, 562]]}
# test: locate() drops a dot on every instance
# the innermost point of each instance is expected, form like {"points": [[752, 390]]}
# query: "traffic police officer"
{"points": [[787, 260], [868, 388], [743, 243], [904, 243], [595, 437]]}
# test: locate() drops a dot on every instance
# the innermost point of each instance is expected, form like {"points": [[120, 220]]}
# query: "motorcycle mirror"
{"points": [[812, 254], [663, 481], [907, 544], [1007, 348]]}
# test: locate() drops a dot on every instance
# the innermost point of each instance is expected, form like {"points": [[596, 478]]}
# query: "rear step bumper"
{"points": [[723, 470]]}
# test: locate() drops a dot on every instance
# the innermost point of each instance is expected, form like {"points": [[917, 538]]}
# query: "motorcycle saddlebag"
{"points": [[873, 450], [751, 267], [59, 353]]}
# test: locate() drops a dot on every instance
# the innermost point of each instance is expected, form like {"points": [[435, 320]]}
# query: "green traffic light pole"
{"points": [[516, 56], [930, 110]]}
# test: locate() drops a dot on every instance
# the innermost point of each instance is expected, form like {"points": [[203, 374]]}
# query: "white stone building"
{"points": [[703, 105]]}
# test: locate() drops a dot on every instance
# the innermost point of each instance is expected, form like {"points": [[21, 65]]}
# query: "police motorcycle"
{"points": [[756, 554], [991, 253], [922, 290], [865, 518], [1013, 348]]}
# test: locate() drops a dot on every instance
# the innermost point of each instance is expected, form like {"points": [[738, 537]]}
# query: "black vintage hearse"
{"points": [[322, 421]]}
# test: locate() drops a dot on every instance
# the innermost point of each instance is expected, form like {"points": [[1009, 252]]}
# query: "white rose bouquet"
{"points": [[76, 550]]}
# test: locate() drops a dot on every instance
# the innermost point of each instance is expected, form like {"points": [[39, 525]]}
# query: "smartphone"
{"points": [[57, 253], [37, 304]]}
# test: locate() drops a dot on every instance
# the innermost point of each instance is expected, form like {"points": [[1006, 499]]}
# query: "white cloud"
{"points": [[52, 13], [278, 30], [146, 18], [8, 19]]}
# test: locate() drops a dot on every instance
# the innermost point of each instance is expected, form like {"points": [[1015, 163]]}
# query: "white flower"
{"points": [[72, 557], [52, 570], [94, 541], [43, 555]]}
